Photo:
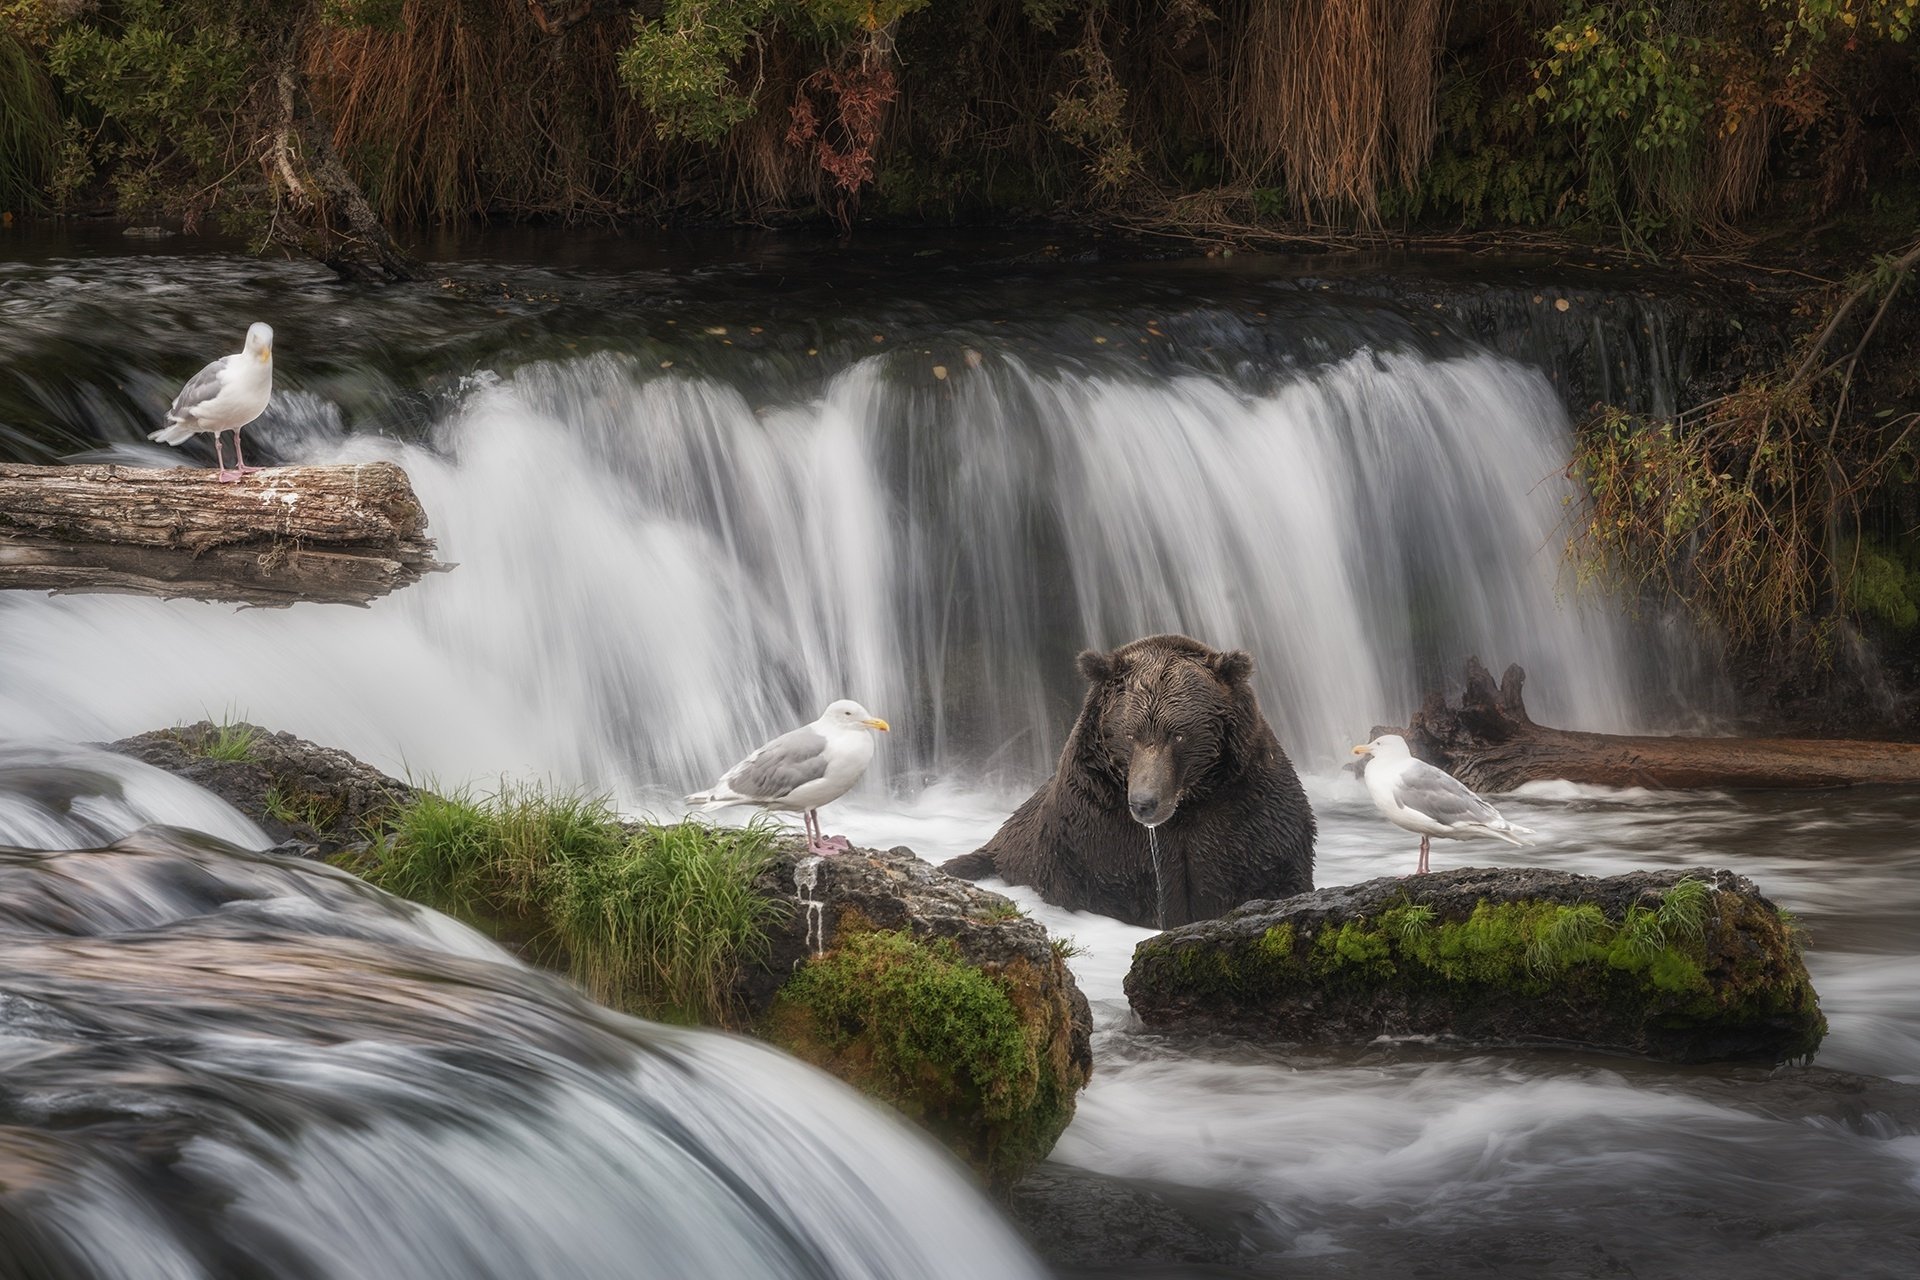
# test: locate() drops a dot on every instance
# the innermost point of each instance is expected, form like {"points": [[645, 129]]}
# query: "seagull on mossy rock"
{"points": [[800, 771], [1415, 796], [224, 396]]}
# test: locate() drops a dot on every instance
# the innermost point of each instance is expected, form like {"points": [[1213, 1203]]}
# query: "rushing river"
{"points": [[692, 503]]}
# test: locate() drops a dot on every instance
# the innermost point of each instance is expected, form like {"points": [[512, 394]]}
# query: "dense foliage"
{"points": [[1653, 120]]}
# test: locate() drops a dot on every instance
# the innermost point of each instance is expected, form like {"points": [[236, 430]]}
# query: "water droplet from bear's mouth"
{"points": [[1159, 885]]}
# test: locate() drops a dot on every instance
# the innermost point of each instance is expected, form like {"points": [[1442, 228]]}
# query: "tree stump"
{"points": [[1490, 743], [328, 535]]}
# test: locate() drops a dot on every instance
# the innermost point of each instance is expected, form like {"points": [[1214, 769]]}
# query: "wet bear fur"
{"points": [[1170, 729]]}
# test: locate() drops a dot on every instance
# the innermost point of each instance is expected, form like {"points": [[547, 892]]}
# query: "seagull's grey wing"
{"points": [[201, 387], [788, 762], [1440, 796]]}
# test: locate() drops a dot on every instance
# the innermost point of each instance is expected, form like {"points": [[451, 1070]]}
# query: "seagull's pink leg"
{"points": [[222, 474], [1423, 855], [815, 844], [241, 458]]}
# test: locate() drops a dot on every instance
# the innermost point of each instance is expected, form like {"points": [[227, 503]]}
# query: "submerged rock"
{"points": [[1094, 1224], [1689, 965], [930, 994], [311, 799]]}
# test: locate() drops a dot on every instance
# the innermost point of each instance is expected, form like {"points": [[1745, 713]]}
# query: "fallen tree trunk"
{"points": [[1490, 743], [328, 535]]}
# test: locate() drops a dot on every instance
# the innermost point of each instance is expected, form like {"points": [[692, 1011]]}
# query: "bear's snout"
{"points": [[1152, 790]]}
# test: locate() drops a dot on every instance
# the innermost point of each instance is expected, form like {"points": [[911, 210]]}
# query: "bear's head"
{"points": [[1165, 717]]}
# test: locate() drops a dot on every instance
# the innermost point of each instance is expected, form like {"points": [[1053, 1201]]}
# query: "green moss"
{"points": [[654, 920], [1524, 947], [1353, 949], [1277, 942], [913, 1023]]}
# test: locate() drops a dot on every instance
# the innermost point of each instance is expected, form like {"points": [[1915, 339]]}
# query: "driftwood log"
{"points": [[329, 535], [1490, 743]]}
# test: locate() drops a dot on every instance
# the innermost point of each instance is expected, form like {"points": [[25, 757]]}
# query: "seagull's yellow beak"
{"points": [[876, 723], [1363, 750], [266, 354]]}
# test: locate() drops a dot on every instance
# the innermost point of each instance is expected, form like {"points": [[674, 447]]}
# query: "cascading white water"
{"points": [[216, 1064], [655, 572]]}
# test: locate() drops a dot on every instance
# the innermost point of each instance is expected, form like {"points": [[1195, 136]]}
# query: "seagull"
{"points": [[224, 396], [1414, 795], [800, 771]]}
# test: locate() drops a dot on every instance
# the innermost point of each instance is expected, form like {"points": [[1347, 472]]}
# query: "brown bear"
{"points": [[1170, 744]]}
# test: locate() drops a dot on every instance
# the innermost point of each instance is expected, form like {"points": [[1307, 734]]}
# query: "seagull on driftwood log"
{"points": [[800, 771], [1414, 795], [224, 396]]}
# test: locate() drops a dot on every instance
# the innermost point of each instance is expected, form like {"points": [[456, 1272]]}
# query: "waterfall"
{"points": [[658, 570], [215, 1063]]}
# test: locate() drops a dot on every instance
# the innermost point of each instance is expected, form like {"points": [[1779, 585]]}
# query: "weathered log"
{"points": [[1490, 743], [330, 535]]}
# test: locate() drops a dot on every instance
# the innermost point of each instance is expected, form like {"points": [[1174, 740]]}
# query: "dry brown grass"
{"points": [[1339, 93], [454, 115]]}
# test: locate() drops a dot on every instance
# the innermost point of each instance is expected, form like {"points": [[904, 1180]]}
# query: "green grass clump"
{"points": [[29, 125], [667, 921], [228, 742], [655, 920], [1571, 935]]}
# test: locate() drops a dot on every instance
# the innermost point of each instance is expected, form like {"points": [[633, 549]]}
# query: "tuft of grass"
{"points": [[228, 742], [1411, 922], [1570, 935], [29, 124], [1001, 911], [655, 920], [1682, 913], [665, 924], [1066, 947]]}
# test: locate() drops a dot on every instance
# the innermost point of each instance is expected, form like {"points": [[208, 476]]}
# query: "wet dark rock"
{"points": [[309, 799], [1686, 965], [1091, 1224], [860, 922]]}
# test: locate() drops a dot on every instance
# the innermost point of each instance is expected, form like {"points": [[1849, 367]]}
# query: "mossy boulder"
{"points": [[924, 991], [1685, 965], [936, 997], [313, 799]]}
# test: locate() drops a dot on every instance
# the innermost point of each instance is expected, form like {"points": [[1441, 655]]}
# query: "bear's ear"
{"points": [[1232, 667], [1097, 667]]}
